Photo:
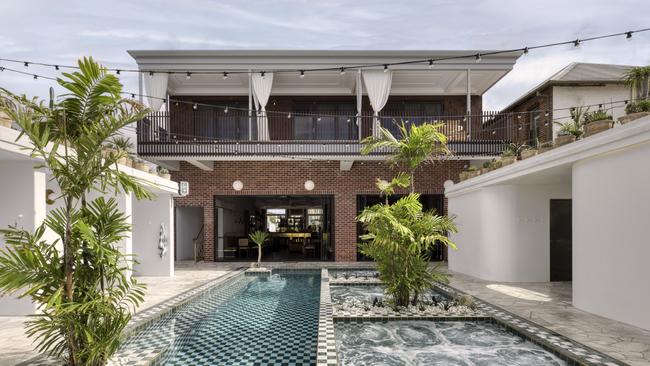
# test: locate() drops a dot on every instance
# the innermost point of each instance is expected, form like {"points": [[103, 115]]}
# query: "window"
{"points": [[274, 219], [533, 133]]}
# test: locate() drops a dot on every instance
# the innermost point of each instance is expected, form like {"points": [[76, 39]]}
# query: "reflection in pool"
{"points": [[467, 343]]}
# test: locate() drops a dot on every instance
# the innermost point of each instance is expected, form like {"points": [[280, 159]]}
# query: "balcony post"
{"points": [[250, 105], [359, 103], [469, 105]]}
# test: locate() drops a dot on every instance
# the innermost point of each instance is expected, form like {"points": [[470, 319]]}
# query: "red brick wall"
{"points": [[288, 177], [543, 101]]}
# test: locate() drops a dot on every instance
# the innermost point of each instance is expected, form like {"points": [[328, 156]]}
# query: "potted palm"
{"points": [[638, 79], [473, 171], [163, 172], [597, 121], [259, 237], [122, 146], [573, 129], [511, 153]]}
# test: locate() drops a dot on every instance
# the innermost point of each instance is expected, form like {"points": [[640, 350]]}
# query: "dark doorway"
{"points": [[561, 237], [300, 228], [429, 202]]}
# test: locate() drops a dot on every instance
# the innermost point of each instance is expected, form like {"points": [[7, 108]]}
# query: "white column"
{"points": [[359, 103], [469, 104], [250, 106], [22, 199], [148, 216]]}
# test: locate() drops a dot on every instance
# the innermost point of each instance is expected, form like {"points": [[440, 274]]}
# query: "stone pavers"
{"points": [[549, 305]]}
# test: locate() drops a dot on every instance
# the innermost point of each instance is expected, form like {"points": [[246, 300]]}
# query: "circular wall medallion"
{"points": [[309, 185], [237, 185], [448, 184]]}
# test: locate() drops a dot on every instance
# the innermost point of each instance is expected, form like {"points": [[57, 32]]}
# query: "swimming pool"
{"points": [[251, 320]]}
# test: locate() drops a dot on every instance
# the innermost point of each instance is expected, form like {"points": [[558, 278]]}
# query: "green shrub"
{"points": [[598, 115], [638, 106]]}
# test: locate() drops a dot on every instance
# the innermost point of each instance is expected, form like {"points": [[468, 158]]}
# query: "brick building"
{"points": [[264, 145], [577, 84]]}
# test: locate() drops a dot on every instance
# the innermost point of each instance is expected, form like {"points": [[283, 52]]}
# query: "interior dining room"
{"points": [[300, 228]]}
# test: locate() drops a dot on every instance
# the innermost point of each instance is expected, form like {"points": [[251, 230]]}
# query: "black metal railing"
{"points": [[215, 131]]}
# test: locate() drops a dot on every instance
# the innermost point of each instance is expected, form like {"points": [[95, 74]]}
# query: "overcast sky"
{"points": [[62, 31]]}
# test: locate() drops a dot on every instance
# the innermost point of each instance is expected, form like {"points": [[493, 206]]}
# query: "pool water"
{"points": [[478, 343], [251, 321]]}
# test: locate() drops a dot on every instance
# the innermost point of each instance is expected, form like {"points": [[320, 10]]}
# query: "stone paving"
{"points": [[549, 304]]}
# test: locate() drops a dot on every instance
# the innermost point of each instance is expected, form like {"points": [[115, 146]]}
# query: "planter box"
{"points": [[543, 149], [632, 116], [528, 153], [564, 139], [473, 173], [165, 176], [507, 160], [5, 121], [141, 166], [595, 127], [123, 161]]}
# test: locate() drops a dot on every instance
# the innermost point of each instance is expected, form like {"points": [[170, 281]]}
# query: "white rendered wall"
{"points": [[504, 232], [611, 240], [22, 199], [565, 97], [148, 216], [188, 224]]}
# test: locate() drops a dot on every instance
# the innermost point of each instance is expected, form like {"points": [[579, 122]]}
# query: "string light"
{"points": [[576, 43], [195, 106], [289, 116], [150, 73], [262, 74], [225, 75], [302, 74], [225, 110], [385, 67], [342, 71], [478, 57], [56, 67], [117, 71], [431, 63], [26, 64], [628, 35], [35, 77], [188, 76], [525, 50]]}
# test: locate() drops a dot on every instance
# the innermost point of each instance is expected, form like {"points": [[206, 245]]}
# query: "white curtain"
{"points": [[156, 89], [262, 91], [378, 84]]}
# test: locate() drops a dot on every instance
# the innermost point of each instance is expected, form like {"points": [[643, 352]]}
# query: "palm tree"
{"points": [[638, 79], [259, 237], [78, 280], [417, 145]]}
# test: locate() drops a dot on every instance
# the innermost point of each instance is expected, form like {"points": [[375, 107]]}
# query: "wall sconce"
{"points": [[237, 185], [309, 185]]}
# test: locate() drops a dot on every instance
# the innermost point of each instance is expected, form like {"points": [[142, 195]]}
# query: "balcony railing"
{"points": [[215, 132]]}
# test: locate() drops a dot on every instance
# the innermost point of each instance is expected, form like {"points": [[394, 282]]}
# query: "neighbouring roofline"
{"points": [[557, 80]]}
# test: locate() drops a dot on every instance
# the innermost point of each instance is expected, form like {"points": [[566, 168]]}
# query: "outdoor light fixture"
{"points": [[225, 75], [448, 184], [342, 71], [302, 74], [309, 185], [386, 68], [188, 76], [237, 185]]}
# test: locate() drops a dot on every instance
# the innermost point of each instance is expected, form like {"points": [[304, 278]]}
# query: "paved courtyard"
{"points": [[548, 304]]}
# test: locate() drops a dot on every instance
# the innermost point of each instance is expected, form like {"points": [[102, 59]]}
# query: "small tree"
{"points": [[79, 280], [576, 125], [259, 237], [417, 145], [638, 79], [400, 235]]}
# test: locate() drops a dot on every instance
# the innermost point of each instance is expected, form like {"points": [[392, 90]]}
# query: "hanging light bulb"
{"points": [[318, 119], [478, 57], [262, 74], [628, 36], [525, 50], [289, 116], [225, 110], [188, 76], [431, 63], [385, 67], [56, 67], [150, 73], [225, 75], [195, 106], [546, 113], [26, 64], [342, 71], [576, 43], [118, 71], [302, 74], [35, 76]]}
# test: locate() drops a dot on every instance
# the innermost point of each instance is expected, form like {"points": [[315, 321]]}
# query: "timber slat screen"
{"points": [[215, 131]]}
